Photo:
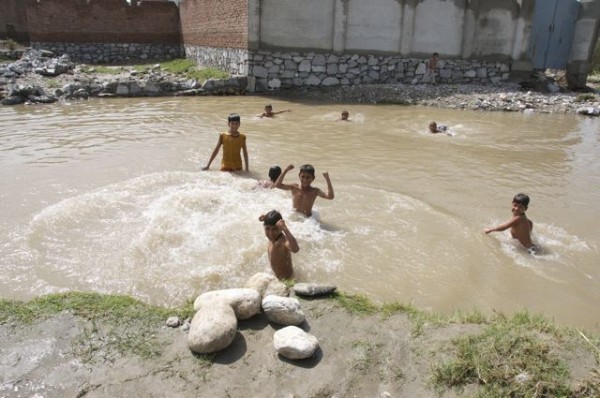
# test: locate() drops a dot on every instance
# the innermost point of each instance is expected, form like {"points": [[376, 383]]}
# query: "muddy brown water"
{"points": [[107, 196]]}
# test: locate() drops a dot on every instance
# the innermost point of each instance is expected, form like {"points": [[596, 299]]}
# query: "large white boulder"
{"points": [[283, 310], [213, 328], [245, 302], [294, 343]]}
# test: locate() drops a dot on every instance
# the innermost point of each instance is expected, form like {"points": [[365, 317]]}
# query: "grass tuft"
{"points": [[355, 303], [510, 357]]}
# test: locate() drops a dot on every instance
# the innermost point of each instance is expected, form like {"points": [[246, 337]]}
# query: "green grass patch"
{"points": [[102, 70], [53, 83], [87, 305], [114, 323], [355, 303], [205, 74], [585, 97], [186, 67], [511, 357]]}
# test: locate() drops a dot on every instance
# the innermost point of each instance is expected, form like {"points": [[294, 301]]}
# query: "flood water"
{"points": [[107, 196]]}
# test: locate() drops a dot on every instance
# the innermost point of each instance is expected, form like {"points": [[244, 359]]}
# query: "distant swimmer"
{"points": [[233, 143], [345, 116], [520, 226], [434, 128], [304, 195], [281, 244], [270, 113]]}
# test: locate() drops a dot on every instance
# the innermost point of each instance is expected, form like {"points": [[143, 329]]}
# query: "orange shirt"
{"points": [[232, 146]]}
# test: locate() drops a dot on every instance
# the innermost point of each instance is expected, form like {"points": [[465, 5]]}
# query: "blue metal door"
{"points": [[552, 32]]}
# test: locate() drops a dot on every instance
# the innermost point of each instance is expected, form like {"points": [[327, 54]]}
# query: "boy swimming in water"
{"points": [[281, 244], [345, 116], [520, 226], [304, 195], [434, 129], [269, 111]]}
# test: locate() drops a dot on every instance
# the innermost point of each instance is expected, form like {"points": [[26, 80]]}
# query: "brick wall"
{"points": [[13, 20], [103, 21], [215, 23]]}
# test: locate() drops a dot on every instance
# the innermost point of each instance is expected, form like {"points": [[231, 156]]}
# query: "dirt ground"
{"points": [[359, 356]]}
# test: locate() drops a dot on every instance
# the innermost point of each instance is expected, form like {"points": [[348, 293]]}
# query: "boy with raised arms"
{"points": [[304, 195]]}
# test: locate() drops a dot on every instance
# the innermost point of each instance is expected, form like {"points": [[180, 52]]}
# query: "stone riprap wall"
{"points": [[13, 20], [232, 60], [215, 33], [105, 30], [99, 53], [457, 29], [273, 70]]}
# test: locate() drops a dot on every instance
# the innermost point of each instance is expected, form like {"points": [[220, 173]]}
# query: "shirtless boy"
{"points": [[434, 129], [269, 111], [520, 226], [281, 244], [274, 173], [304, 195]]}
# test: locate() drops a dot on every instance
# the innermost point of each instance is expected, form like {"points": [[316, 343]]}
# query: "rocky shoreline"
{"points": [[40, 77], [505, 97]]}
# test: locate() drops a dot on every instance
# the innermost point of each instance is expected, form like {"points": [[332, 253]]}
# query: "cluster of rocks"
{"points": [[214, 326], [99, 53], [273, 70], [510, 97], [40, 68]]}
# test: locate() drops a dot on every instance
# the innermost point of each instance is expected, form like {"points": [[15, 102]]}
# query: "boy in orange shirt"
{"points": [[233, 143]]}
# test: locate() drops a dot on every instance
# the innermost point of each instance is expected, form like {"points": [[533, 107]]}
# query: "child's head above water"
{"points": [[345, 115], [521, 199], [270, 219], [274, 173], [307, 169], [233, 117], [433, 127]]}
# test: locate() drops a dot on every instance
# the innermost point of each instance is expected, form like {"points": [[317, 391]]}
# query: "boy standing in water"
{"points": [[233, 142], [281, 244], [520, 226], [304, 195]]}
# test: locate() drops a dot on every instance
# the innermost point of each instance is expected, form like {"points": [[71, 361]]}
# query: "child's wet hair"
{"points": [[233, 117], [271, 218], [521, 199], [274, 173], [307, 169]]}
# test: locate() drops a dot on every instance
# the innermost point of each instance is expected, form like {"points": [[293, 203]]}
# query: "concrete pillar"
{"points": [[408, 26], [586, 33], [253, 24], [340, 23]]}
